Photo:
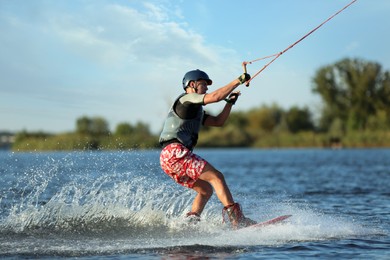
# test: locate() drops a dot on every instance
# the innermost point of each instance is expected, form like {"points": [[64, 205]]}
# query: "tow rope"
{"points": [[277, 55]]}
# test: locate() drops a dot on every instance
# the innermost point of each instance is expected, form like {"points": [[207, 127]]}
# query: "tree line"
{"points": [[91, 133], [355, 112]]}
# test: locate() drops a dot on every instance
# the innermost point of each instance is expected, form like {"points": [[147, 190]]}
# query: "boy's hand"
{"points": [[244, 78], [232, 99]]}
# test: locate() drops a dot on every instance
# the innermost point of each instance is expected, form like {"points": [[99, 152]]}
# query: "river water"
{"points": [[120, 205]]}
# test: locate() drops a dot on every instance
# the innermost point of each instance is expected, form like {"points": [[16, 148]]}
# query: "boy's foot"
{"points": [[236, 216], [192, 218]]}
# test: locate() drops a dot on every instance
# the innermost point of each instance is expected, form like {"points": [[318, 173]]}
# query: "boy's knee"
{"points": [[207, 191], [219, 176]]}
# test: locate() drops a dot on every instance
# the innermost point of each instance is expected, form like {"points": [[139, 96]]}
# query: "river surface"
{"points": [[120, 205]]}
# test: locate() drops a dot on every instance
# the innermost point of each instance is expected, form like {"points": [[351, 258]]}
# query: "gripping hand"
{"points": [[244, 78], [232, 98]]}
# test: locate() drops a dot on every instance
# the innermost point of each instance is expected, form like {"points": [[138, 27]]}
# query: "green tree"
{"points": [[352, 90], [83, 125], [96, 126], [142, 129], [265, 118], [124, 129], [299, 119], [237, 119], [100, 127]]}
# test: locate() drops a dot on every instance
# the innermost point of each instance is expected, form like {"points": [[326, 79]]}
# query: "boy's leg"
{"points": [[204, 190], [217, 180]]}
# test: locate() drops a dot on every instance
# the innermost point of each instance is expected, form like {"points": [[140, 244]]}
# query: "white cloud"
{"points": [[156, 13], [103, 58], [149, 37], [352, 46]]}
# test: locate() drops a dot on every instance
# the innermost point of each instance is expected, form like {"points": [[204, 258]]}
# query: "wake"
{"points": [[63, 208]]}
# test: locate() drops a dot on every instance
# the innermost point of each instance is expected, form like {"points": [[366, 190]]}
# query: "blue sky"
{"points": [[124, 60]]}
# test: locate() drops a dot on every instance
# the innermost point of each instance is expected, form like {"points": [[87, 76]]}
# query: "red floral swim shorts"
{"points": [[181, 164]]}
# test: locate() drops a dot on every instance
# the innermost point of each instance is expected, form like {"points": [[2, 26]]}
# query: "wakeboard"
{"points": [[269, 222]]}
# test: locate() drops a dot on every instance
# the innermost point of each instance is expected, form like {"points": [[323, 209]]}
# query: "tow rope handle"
{"points": [[245, 71]]}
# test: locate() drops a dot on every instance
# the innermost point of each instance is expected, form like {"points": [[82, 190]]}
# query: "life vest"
{"points": [[184, 130]]}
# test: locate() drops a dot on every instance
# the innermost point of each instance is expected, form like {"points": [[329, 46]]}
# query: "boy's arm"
{"points": [[220, 119], [223, 92]]}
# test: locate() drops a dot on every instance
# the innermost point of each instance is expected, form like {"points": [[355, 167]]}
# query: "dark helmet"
{"points": [[195, 75]]}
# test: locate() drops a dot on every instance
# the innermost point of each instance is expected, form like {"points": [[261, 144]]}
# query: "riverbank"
{"points": [[222, 139]]}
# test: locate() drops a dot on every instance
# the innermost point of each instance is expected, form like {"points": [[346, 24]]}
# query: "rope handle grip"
{"points": [[245, 71]]}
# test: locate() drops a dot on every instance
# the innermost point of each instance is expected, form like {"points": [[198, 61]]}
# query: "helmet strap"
{"points": [[194, 86]]}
